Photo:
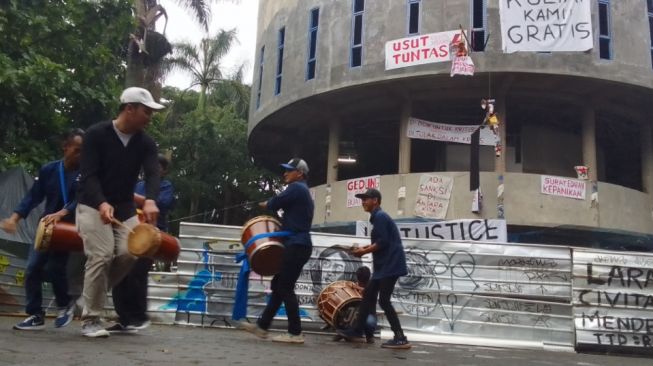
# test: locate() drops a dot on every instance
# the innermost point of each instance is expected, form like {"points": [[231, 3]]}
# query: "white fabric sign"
{"points": [[425, 130], [419, 50], [433, 195], [360, 185], [546, 25], [468, 230], [564, 187]]}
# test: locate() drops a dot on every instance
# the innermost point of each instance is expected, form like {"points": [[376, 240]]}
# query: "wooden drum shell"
{"points": [[334, 298], [265, 254]]}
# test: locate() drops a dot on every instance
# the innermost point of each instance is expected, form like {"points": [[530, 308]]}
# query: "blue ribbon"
{"points": [[240, 302], [62, 181]]}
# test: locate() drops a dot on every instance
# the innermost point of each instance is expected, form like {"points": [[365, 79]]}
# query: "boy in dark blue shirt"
{"points": [[56, 184], [389, 264], [297, 206]]}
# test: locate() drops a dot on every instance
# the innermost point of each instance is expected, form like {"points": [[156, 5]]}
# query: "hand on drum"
{"points": [[55, 217], [9, 225], [358, 252], [106, 212], [150, 211]]}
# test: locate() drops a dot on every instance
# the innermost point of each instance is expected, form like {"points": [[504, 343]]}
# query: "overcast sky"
{"points": [[240, 14]]}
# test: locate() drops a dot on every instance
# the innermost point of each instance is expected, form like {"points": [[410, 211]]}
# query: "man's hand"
{"points": [[10, 225], [106, 212], [358, 252], [150, 211], [55, 217]]}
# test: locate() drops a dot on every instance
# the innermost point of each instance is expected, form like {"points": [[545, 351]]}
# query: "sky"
{"points": [[239, 14]]}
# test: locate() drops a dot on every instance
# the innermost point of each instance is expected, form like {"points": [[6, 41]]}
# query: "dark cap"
{"points": [[296, 164], [370, 193]]}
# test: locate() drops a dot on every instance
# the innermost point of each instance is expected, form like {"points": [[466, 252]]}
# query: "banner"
{"points": [[564, 187], [433, 195], [425, 130], [360, 185], [546, 26], [419, 50], [467, 230]]}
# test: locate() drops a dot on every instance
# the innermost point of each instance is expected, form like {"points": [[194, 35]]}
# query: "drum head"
{"points": [[40, 235], [266, 260], [346, 316], [144, 240]]}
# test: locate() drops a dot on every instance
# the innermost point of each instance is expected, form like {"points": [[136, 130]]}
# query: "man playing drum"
{"points": [[389, 264], [297, 205], [115, 152], [56, 184], [130, 295]]}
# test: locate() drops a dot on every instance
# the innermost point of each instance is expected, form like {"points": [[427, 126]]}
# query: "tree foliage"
{"points": [[61, 66]]}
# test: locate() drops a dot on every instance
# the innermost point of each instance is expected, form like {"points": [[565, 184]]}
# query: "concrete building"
{"points": [[321, 91]]}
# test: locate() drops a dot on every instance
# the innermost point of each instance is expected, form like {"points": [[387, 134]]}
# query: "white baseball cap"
{"points": [[139, 95]]}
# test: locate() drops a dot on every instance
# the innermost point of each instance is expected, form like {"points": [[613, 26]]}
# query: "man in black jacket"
{"points": [[115, 152]]}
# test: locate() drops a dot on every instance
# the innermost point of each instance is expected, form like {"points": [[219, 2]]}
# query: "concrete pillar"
{"points": [[334, 151], [589, 142], [404, 141], [647, 159], [502, 113]]}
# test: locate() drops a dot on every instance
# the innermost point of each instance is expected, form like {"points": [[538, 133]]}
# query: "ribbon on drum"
{"points": [[240, 302]]}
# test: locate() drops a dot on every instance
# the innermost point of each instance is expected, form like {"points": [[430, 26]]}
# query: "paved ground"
{"points": [[176, 345]]}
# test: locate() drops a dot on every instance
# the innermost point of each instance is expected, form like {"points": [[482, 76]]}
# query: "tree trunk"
{"points": [[135, 69], [226, 203], [201, 103]]}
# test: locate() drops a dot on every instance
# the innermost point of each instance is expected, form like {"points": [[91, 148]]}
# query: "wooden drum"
{"points": [[264, 254], [146, 240], [61, 236], [338, 303]]}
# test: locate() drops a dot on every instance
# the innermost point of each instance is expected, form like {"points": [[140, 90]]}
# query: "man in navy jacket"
{"points": [[56, 184]]}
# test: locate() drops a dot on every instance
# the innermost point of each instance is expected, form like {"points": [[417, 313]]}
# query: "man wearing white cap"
{"points": [[116, 151], [298, 207]]}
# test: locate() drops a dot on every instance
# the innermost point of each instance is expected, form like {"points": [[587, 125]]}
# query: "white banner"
{"points": [[419, 50], [425, 130], [467, 230], [546, 25], [360, 185], [433, 195], [564, 187]]}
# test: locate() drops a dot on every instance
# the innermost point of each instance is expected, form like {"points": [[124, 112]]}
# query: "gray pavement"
{"points": [[178, 345]]}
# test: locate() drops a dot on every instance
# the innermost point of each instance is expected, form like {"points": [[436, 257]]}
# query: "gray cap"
{"points": [[139, 95], [296, 164]]}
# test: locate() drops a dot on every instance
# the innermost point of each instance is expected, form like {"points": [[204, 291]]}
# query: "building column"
{"points": [[647, 159], [404, 141], [333, 152], [502, 113], [589, 142]]}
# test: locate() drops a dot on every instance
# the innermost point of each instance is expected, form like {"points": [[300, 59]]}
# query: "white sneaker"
{"points": [[289, 338], [254, 329], [139, 325], [94, 329]]}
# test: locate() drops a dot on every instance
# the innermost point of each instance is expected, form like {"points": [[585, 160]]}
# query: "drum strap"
{"points": [[240, 302], [62, 182]]}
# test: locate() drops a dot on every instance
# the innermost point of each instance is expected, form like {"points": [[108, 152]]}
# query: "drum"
{"points": [[61, 236], [264, 254], [146, 240], [338, 303]]}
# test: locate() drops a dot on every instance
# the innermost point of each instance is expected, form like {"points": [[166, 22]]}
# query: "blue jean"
{"points": [[41, 267]]}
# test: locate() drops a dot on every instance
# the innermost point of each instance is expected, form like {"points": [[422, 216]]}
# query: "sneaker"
{"points": [[254, 329], [337, 338], [397, 343], [289, 338], [65, 316], [351, 335], [93, 329], [119, 328], [139, 325], [369, 340], [33, 322]]}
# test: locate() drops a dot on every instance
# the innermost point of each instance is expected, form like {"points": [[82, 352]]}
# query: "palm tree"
{"points": [[204, 63], [147, 47]]}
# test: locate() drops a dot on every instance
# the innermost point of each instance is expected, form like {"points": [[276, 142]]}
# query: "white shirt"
{"points": [[124, 137]]}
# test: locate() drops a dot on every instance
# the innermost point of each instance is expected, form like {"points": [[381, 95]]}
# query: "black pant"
{"points": [[130, 295], [382, 289], [283, 288]]}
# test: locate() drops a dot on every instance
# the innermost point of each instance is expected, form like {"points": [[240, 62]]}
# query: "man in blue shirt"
{"points": [[56, 184], [389, 264], [130, 295], [297, 205]]}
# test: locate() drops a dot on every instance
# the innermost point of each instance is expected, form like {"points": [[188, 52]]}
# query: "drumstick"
{"points": [[119, 223]]}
